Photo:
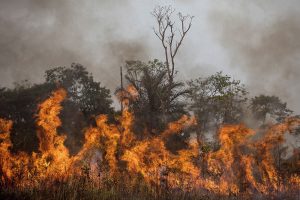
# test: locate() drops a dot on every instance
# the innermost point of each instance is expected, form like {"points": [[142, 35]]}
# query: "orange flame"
{"points": [[241, 164]]}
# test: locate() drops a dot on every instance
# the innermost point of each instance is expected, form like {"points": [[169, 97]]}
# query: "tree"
{"points": [[88, 94], [215, 100], [151, 83], [20, 105], [263, 105], [167, 32], [171, 37], [85, 98]]}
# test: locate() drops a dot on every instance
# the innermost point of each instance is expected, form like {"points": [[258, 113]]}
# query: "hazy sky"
{"points": [[257, 41]]}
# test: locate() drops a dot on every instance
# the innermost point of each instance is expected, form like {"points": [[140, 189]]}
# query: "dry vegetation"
{"points": [[113, 164]]}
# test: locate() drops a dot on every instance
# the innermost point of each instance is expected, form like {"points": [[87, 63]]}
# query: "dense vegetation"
{"points": [[155, 97]]}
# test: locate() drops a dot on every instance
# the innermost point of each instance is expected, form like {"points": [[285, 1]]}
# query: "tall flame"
{"points": [[244, 162]]}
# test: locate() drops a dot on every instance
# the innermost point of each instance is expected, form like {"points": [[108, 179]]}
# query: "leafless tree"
{"points": [[171, 33]]}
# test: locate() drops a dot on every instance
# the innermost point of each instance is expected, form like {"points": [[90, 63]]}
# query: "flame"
{"points": [[244, 162], [54, 155]]}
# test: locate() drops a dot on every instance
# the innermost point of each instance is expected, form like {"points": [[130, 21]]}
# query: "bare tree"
{"points": [[171, 35]]}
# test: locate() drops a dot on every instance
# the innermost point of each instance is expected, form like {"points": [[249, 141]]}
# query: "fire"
{"points": [[244, 162], [54, 155]]}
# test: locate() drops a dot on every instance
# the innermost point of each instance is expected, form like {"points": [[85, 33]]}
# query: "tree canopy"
{"points": [[263, 105], [86, 98], [217, 99], [155, 106]]}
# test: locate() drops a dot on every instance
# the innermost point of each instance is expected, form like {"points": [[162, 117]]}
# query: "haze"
{"points": [[255, 41]]}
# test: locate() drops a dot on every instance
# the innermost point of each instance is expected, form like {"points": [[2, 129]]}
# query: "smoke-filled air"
{"points": [[149, 100]]}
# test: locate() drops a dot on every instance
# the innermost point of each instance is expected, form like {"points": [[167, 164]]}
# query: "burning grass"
{"points": [[114, 164]]}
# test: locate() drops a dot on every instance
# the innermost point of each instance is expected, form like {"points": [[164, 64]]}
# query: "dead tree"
{"points": [[171, 34]]}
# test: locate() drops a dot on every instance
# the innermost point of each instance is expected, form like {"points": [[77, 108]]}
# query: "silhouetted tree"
{"points": [[216, 99], [263, 105], [151, 82], [88, 94], [20, 105], [86, 98], [171, 34]]}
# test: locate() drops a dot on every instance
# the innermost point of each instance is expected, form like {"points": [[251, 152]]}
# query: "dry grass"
{"points": [[82, 188]]}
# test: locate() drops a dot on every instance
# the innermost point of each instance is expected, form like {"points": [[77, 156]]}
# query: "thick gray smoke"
{"points": [[255, 41], [38, 34], [263, 43]]}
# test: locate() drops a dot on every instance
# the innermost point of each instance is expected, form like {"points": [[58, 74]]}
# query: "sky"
{"points": [[254, 41]]}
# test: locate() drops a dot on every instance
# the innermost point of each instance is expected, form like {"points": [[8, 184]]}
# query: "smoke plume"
{"points": [[262, 41], [38, 34]]}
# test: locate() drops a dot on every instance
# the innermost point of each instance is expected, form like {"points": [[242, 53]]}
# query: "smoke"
{"points": [[259, 38], [38, 34], [263, 43]]}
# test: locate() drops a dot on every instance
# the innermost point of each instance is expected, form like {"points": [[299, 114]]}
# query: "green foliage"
{"points": [[262, 105], [217, 99], [158, 102], [88, 94], [85, 98], [20, 106]]}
